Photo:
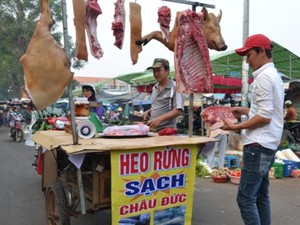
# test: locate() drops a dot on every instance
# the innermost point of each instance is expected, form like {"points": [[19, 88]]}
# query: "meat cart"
{"points": [[80, 176], [73, 188]]}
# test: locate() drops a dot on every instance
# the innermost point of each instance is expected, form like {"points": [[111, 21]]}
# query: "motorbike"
{"points": [[16, 127], [48, 123], [294, 129]]}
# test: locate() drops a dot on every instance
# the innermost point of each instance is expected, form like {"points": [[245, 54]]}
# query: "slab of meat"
{"points": [[213, 116], [164, 19], [45, 64], [127, 130], [135, 30], [79, 22], [92, 11], [192, 64], [118, 26]]}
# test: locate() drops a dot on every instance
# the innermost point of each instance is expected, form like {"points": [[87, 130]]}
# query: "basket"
{"points": [[289, 166], [279, 170], [234, 180], [219, 179]]}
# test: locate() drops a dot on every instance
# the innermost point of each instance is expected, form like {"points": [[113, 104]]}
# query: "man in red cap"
{"points": [[261, 133]]}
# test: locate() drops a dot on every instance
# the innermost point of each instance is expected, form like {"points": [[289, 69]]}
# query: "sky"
{"points": [[276, 19]]}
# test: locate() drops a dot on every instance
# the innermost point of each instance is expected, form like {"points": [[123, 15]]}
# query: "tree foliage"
{"points": [[18, 19]]}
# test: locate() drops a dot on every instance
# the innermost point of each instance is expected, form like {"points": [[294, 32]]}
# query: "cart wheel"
{"points": [[56, 205], [19, 135]]}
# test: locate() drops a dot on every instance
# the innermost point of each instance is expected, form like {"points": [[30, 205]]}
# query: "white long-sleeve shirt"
{"points": [[267, 101]]}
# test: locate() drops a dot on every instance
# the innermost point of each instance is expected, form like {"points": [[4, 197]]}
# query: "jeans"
{"points": [[253, 193]]}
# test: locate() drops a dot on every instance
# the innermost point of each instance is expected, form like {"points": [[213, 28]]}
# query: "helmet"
{"points": [[88, 86], [288, 102], [16, 107], [91, 88]]}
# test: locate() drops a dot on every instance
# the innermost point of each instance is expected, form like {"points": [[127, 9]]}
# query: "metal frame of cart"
{"points": [[70, 190], [67, 190]]}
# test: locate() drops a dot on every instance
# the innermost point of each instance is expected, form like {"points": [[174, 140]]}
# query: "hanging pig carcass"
{"points": [[193, 69], [46, 66], [212, 32]]}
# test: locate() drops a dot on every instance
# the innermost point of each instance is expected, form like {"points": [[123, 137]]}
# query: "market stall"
{"points": [[137, 177], [143, 179]]}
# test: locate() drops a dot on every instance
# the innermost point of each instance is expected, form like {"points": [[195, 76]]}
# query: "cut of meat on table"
{"points": [[92, 11], [192, 64], [135, 19], [45, 64], [213, 116], [79, 22], [118, 25], [164, 19], [127, 130]]}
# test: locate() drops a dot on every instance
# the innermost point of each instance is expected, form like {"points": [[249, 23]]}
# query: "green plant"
{"points": [[201, 169]]}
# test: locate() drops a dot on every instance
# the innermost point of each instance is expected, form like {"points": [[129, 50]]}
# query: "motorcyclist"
{"points": [[291, 114], [13, 115], [291, 131]]}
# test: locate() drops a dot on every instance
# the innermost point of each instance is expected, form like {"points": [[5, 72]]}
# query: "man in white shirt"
{"points": [[261, 132]]}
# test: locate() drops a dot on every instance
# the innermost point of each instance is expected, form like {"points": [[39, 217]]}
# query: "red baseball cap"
{"points": [[257, 40]]}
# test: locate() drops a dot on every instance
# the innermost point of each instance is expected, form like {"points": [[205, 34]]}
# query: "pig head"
{"points": [[212, 32]]}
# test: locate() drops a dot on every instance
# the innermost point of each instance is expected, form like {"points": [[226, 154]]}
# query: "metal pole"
{"points": [[202, 122], [67, 51], [193, 4], [81, 192], [191, 114], [245, 67], [72, 108], [290, 66]]}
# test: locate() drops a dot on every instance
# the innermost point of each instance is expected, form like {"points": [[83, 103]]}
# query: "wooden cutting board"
{"points": [[53, 139]]}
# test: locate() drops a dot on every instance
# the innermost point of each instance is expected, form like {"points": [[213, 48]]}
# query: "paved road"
{"points": [[22, 202]]}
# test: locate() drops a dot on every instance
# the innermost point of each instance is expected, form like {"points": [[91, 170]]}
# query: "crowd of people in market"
{"points": [[18, 106]]}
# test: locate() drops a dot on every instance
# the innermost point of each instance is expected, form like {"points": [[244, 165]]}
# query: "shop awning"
{"points": [[222, 84], [230, 64]]}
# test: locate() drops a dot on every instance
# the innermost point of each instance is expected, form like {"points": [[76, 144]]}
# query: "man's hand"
{"points": [[153, 123], [146, 115], [228, 125], [239, 111]]}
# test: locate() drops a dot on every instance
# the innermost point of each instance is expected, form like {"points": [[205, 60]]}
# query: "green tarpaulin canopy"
{"points": [[125, 78], [230, 64]]}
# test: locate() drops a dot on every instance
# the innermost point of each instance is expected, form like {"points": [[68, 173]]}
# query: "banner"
{"points": [[153, 186]]}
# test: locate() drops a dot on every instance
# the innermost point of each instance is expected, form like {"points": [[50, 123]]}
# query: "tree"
{"points": [[18, 19]]}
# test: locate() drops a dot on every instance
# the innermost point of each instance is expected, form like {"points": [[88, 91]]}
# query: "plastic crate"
{"points": [[279, 170], [289, 166], [232, 161]]}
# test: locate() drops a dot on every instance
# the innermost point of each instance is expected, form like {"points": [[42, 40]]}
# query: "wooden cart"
{"points": [[70, 190]]}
